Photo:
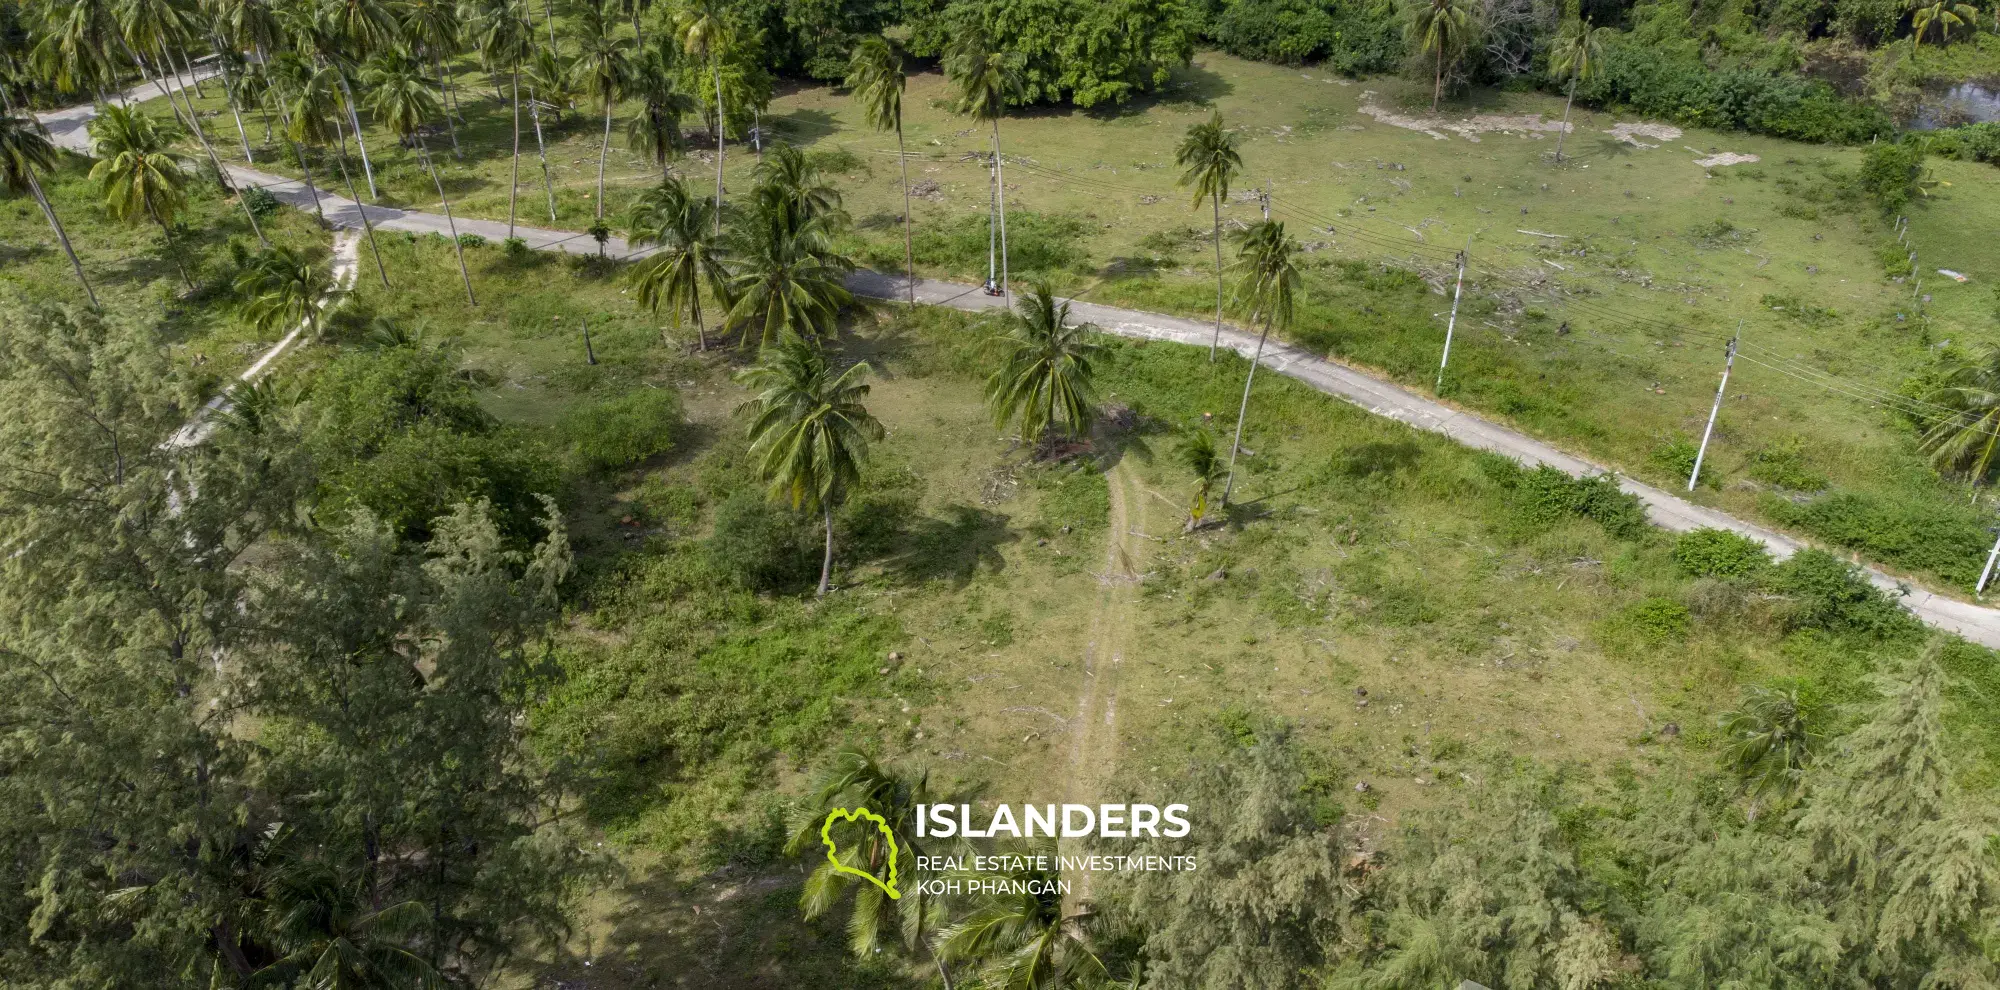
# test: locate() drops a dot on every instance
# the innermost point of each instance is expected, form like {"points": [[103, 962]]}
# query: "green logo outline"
{"points": [[833, 857]]}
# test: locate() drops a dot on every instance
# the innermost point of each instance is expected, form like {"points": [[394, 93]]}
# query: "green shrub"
{"points": [[471, 240], [1351, 37], [763, 546], [1894, 258], [1675, 455], [1546, 495], [623, 431], [1828, 593], [1920, 534], [259, 201], [1889, 173], [515, 247], [1670, 80], [1971, 143], [1036, 243], [1719, 553], [1658, 620], [1783, 464]]}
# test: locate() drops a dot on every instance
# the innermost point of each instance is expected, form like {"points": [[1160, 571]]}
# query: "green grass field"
{"points": [[1602, 289]]}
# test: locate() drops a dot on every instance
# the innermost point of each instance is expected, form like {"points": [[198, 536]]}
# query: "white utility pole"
{"points": [[1987, 572], [1727, 363], [1459, 290]]}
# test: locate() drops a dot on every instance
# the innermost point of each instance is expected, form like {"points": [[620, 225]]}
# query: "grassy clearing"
{"points": [[135, 278], [703, 682], [1606, 338]]}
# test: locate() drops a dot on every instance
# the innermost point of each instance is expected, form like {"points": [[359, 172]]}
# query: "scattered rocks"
{"points": [[1725, 158], [1631, 133], [1361, 787]]}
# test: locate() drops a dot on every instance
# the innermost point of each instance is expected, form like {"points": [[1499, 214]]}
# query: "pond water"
{"points": [[1964, 103]]}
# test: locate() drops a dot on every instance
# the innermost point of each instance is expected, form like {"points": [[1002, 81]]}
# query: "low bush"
{"points": [[1672, 82], [1971, 143], [1890, 171], [1658, 620], [623, 431], [1546, 495], [259, 201], [1037, 243], [1719, 553], [1919, 534], [763, 546], [1829, 593], [1352, 37]]}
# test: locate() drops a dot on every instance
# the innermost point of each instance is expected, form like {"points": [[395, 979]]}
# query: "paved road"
{"points": [[1976, 623]]}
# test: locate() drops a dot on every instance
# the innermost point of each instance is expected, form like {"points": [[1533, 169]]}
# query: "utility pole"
{"points": [[589, 353], [992, 226], [1727, 363], [1987, 572], [1264, 199], [1453, 322]]}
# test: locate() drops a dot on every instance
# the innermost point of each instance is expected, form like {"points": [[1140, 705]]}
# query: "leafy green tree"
{"points": [[877, 80], [284, 288], [855, 780], [1046, 371], [1966, 436], [1024, 937], [403, 99], [1578, 54], [1269, 284], [702, 28], [24, 150], [1443, 31], [690, 254], [986, 81], [432, 29], [603, 68], [1197, 452], [1087, 54], [138, 172], [1209, 155], [809, 432]]}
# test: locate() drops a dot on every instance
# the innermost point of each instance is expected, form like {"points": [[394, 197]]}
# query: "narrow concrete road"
{"points": [[1976, 623]]}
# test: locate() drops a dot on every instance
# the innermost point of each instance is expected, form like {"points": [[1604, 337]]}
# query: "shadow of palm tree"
{"points": [[955, 546]]}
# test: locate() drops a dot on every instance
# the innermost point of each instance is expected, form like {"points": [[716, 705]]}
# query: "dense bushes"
{"points": [[1682, 88], [1826, 592], [1948, 540], [1546, 495], [1087, 53], [1353, 37], [623, 431], [1890, 171], [1971, 143], [1719, 553]]}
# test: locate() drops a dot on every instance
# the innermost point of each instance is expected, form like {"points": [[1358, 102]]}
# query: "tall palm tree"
{"points": [[25, 149], [603, 68], [504, 39], [790, 183], [138, 173], [656, 132], [1441, 29], [1578, 54], [314, 117], [1965, 436], [284, 288], [346, 33], [986, 81], [809, 431], [691, 254], [877, 79], [703, 30], [548, 79], [1209, 155], [856, 780], [155, 26], [433, 27], [1045, 373], [73, 50], [283, 77], [1023, 940], [1198, 453], [403, 99], [1269, 285], [788, 279]]}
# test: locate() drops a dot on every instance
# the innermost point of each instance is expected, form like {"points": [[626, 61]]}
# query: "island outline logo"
{"points": [[833, 853]]}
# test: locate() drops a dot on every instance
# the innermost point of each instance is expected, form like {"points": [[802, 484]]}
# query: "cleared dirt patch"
{"points": [[1630, 133], [1469, 128]]}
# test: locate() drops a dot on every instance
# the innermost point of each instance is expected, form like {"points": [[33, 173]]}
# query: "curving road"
{"points": [[1383, 398]]}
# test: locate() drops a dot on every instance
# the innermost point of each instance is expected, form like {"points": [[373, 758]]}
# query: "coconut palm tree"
{"points": [[138, 172], [75, 41], [1945, 15], [1198, 453], [603, 68], [345, 33], [856, 780], [1578, 54], [548, 79], [1441, 29], [1045, 371], [656, 133], [1209, 155], [877, 80], [809, 432], [332, 936], [986, 81], [283, 288], [282, 77], [1024, 939], [25, 149], [156, 26], [505, 40], [1773, 737], [432, 28], [788, 279], [703, 31], [790, 183], [690, 253], [1965, 436], [1268, 287], [314, 117], [403, 99]]}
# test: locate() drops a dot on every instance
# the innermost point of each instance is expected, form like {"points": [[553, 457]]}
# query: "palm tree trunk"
{"points": [[514, 176], [285, 118], [1244, 410], [200, 133], [229, 88], [42, 200], [826, 562], [700, 331], [187, 65], [424, 152], [1438, 90], [450, 126], [603, 151], [367, 167], [549, 18], [173, 249], [360, 207], [720, 126], [1216, 342], [541, 151], [992, 227], [1000, 188], [1561, 134], [909, 255]]}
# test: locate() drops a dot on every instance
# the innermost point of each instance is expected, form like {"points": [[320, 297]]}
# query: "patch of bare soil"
{"points": [[1469, 128], [1630, 133]]}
